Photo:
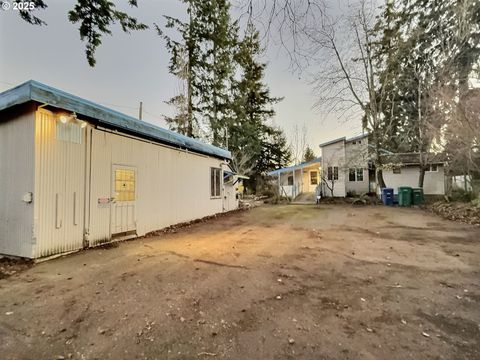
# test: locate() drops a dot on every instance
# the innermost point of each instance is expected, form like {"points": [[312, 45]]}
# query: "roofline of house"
{"points": [[358, 137], [295, 167], [432, 161], [333, 141], [35, 91], [344, 138]]}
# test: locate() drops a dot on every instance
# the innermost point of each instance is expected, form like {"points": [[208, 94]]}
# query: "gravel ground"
{"points": [[274, 282]]}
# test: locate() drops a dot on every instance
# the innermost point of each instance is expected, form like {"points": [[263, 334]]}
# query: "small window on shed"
{"points": [[290, 180], [433, 168], [69, 131], [215, 182], [124, 185], [313, 178], [397, 170]]}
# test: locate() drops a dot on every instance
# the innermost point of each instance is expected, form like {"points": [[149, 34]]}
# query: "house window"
{"points": [[332, 173], [360, 174], [351, 174], [432, 168], [359, 141], [215, 181], [397, 170], [313, 178], [290, 180], [355, 174]]}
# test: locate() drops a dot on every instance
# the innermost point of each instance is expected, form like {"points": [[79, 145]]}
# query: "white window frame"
{"points": [[215, 185], [430, 168], [356, 172], [316, 177]]}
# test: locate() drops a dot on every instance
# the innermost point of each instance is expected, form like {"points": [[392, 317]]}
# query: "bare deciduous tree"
{"points": [[348, 81], [298, 143]]}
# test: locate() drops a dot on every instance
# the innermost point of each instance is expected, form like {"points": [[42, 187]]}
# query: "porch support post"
{"points": [[294, 185]]}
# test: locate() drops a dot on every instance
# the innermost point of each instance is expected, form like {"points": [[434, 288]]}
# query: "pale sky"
{"points": [[133, 68]]}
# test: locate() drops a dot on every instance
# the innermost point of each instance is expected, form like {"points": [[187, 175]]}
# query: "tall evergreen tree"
{"points": [[203, 60], [218, 68], [249, 132], [309, 155], [186, 65]]}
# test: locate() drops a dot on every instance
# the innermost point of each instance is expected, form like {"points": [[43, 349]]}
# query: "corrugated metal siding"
{"points": [[59, 189], [172, 186], [16, 179]]}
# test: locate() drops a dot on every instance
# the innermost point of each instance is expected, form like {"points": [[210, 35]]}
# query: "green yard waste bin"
{"points": [[405, 196], [417, 196]]}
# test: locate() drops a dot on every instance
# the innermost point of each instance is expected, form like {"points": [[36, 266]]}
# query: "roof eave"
{"points": [[44, 94]]}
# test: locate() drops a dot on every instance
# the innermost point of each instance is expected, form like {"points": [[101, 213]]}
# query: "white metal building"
{"points": [[76, 174]]}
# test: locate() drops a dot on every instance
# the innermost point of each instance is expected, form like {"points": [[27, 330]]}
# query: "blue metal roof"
{"points": [[295, 167], [35, 91]]}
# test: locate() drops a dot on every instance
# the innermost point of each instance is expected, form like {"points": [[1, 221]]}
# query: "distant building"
{"points": [[76, 174], [298, 179], [347, 169]]}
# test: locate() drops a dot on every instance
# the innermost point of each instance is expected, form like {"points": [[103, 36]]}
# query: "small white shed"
{"points": [[76, 174]]}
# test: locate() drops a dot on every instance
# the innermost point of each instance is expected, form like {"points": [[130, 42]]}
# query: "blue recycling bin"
{"points": [[387, 196]]}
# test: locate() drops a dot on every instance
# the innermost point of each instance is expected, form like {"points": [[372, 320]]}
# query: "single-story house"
{"points": [[76, 174], [347, 169], [403, 169], [297, 179]]}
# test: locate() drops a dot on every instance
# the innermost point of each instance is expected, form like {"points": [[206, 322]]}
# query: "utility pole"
{"points": [[140, 110]]}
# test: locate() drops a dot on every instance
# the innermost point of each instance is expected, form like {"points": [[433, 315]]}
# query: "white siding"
{"points": [[68, 177], [434, 182], [356, 157], [173, 185], [59, 187], [230, 201], [334, 155], [16, 179]]}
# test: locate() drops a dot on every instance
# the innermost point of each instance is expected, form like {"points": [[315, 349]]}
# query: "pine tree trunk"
{"points": [[189, 82], [189, 102]]}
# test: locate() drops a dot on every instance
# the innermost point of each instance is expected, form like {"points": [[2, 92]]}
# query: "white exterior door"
{"points": [[124, 195]]}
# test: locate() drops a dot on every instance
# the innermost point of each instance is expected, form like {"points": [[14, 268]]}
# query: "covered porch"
{"points": [[298, 179]]}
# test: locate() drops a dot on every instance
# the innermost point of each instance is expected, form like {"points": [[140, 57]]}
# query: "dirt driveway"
{"points": [[284, 282]]}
